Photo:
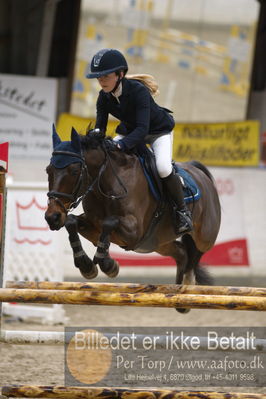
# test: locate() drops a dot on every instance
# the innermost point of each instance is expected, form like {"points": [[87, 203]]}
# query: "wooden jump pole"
{"points": [[15, 337], [137, 288], [73, 297], [33, 391], [61, 338]]}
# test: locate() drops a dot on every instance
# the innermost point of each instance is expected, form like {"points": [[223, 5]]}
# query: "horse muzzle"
{"points": [[55, 220]]}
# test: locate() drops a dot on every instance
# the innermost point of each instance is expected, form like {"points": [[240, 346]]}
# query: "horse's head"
{"points": [[67, 173], [70, 172]]}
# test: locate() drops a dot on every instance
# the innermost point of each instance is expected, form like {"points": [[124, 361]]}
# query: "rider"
{"points": [[141, 120]]}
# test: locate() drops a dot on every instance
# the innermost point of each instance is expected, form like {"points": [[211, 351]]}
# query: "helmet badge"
{"points": [[97, 58]]}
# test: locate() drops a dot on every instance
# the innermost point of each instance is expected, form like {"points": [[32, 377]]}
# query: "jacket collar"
{"points": [[125, 89], [118, 91]]}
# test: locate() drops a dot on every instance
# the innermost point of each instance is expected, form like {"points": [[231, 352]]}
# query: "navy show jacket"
{"points": [[137, 111]]}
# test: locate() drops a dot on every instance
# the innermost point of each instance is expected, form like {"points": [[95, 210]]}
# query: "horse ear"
{"points": [[56, 138], [75, 140]]}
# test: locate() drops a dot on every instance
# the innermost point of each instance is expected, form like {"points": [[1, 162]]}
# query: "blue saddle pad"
{"points": [[190, 188]]}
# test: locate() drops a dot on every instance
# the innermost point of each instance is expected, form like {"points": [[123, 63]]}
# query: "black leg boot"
{"points": [[174, 189]]}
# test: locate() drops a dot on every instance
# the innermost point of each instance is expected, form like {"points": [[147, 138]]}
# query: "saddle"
{"points": [[147, 159]]}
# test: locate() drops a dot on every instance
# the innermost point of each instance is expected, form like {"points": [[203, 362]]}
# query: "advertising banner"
{"points": [[218, 144], [67, 121], [263, 149], [4, 156], [1, 216], [27, 112]]}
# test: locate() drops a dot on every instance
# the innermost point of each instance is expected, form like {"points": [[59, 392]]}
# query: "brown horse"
{"points": [[119, 207]]}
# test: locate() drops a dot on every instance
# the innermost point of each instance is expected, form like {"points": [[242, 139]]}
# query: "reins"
{"points": [[76, 197], [111, 196]]}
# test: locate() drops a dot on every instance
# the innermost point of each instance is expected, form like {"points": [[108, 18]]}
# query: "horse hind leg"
{"points": [[107, 265], [177, 250], [81, 260], [194, 273], [187, 258]]}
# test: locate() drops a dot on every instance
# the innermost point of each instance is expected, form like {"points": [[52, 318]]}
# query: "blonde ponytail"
{"points": [[148, 80]]}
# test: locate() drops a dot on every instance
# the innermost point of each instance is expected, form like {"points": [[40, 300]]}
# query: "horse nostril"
{"points": [[56, 217]]}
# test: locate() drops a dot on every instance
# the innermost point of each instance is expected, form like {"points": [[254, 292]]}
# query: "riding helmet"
{"points": [[106, 61]]}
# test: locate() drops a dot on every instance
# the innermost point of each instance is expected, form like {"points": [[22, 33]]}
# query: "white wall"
{"points": [[252, 205]]}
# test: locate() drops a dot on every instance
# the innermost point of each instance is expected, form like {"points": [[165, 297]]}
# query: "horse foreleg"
{"points": [[81, 260], [108, 265]]}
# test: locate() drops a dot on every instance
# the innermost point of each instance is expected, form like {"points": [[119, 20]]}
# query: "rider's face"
{"points": [[108, 82]]}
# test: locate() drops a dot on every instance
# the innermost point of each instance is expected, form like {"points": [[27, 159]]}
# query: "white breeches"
{"points": [[162, 148]]}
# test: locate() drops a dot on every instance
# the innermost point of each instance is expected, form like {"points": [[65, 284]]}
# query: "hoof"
{"points": [[86, 267], [89, 274], [110, 267], [182, 310], [114, 270]]}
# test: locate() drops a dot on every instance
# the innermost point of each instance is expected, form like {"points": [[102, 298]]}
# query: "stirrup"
{"points": [[185, 221]]}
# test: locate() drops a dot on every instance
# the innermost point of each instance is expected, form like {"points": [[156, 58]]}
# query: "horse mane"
{"points": [[93, 140]]}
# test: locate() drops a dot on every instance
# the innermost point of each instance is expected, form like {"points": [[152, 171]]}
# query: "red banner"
{"points": [[4, 156], [1, 217], [230, 253]]}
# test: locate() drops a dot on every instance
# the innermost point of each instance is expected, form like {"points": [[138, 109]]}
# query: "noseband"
{"points": [[75, 198]]}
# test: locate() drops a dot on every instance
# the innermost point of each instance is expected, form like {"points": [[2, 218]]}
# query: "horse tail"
{"points": [[202, 167], [202, 276]]}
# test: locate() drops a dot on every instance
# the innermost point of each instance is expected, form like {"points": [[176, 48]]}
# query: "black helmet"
{"points": [[106, 61]]}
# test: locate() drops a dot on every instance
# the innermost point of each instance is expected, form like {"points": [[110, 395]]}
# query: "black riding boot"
{"points": [[174, 189]]}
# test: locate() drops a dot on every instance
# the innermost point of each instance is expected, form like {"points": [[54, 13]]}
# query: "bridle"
{"points": [[76, 197]]}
